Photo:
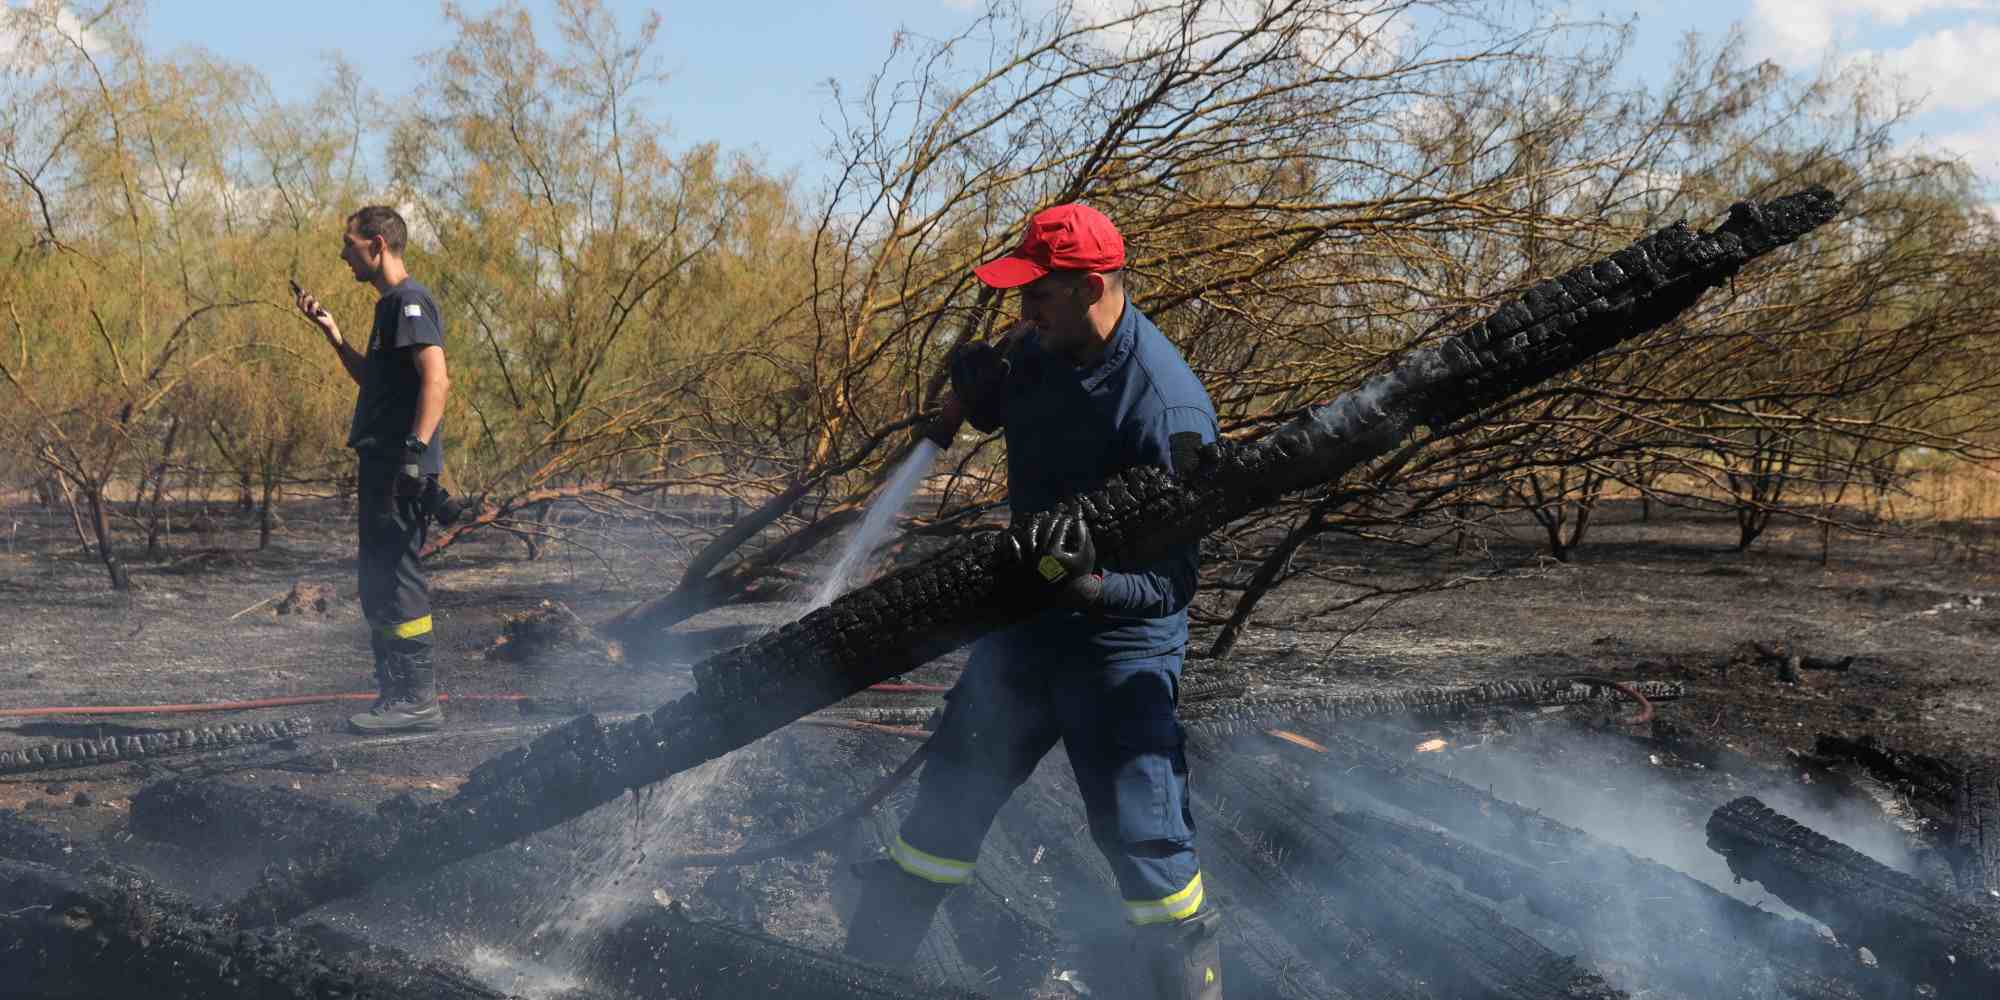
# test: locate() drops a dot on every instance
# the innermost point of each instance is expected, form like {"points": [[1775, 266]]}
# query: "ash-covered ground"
{"points": [[1332, 884]]}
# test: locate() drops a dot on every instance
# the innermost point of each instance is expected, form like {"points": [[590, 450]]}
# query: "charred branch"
{"points": [[1960, 798], [1678, 946], [1465, 947], [1526, 835], [108, 935], [1350, 959], [1909, 926], [195, 739]]}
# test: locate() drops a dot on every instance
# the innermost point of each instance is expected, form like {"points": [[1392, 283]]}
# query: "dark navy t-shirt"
{"points": [[1069, 430], [406, 319]]}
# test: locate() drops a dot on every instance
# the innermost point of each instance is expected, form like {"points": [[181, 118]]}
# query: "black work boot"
{"points": [[1183, 959], [893, 916], [385, 678], [414, 703]]}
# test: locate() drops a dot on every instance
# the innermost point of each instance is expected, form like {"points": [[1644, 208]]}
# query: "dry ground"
{"points": [[1661, 599]]}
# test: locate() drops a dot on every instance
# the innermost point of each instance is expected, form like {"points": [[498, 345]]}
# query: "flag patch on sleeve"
{"points": [[413, 309]]}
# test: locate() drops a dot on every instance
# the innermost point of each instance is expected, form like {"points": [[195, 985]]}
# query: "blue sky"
{"points": [[752, 74]]}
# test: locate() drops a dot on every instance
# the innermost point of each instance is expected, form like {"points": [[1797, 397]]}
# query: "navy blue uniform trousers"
{"points": [[395, 597], [1115, 719]]}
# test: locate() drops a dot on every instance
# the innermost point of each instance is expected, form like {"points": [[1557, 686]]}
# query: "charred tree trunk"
{"points": [[919, 613], [1677, 946], [67, 935], [277, 458], [78, 753], [267, 517], [1339, 960], [1450, 940], [1550, 846], [1918, 930], [1959, 798], [100, 526], [156, 512], [1975, 847]]}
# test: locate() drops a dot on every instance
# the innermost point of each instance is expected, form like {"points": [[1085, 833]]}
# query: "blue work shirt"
{"points": [[1068, 430]]}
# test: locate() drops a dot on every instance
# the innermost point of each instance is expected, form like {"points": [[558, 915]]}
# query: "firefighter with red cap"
{"points": [[1084, 386]]}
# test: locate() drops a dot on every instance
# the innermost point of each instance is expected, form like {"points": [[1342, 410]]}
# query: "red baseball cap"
{"points": [[1069, 237]]}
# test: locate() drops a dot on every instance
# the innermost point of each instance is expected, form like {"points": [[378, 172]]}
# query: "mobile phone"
{"points": [[296, 290]]}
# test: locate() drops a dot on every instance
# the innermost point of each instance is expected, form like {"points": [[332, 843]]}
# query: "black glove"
{"points": [[1061, 559], [979, 380], [410, 461]]}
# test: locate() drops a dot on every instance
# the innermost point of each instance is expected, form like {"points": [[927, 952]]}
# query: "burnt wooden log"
{"points": [[923, 611], [1331, 955], [1959, 797], [1926, 934], [1451, 941], [111, 749], [1673, 939], [64, 934], [1470, 814]]}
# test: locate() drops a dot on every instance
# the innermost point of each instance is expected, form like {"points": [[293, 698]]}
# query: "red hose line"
{"points": [[1645, 713], [317, 699], [909, 688], [231, 706]]}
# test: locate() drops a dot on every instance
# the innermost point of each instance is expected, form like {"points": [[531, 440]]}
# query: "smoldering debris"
{"points": [[318, 598], [1345, 871], [547, 631]]}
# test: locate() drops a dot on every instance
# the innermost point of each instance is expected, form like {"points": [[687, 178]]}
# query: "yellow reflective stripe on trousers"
{"points": [[1179, 906], [407, 630], [929, 867]]}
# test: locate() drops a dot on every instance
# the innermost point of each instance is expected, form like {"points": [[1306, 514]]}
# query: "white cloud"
{"points": [[1953, 70], [20, 21], [1799, 32], [1978, 144]]}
